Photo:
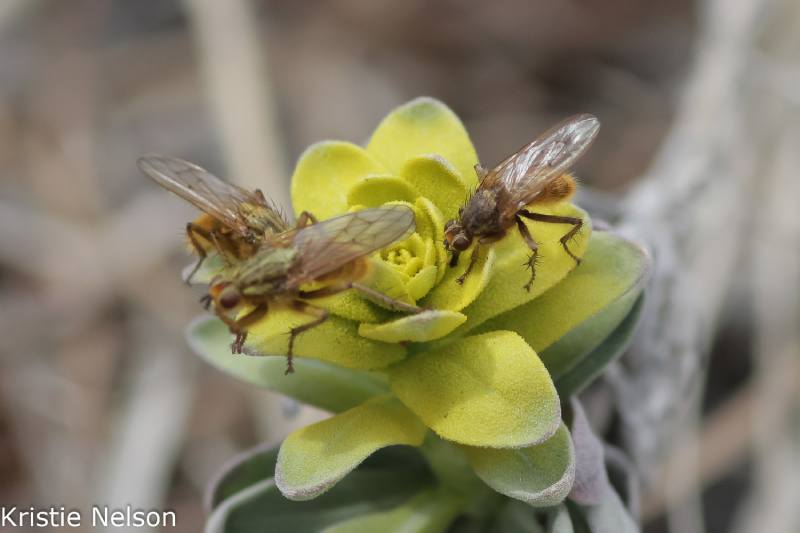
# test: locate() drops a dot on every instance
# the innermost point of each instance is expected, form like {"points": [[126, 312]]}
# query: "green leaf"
{"points": [[595, 297], [421, 327], [424, 126], [591, 365], [449, 464], [210, 267], [316, 457], [325, 173], [314, 382], [434, 229], [428, 512], [375, 191], [484, 390], [505, 290], [624, 478], [451, 296], [591, 480], [352, 305], [422, 282], [574, 317], [242, 471], [409, 256], [539, 475], [610, 516], [371, 488], [335, 341], [517, 517], [561, 522], [437, 180]]}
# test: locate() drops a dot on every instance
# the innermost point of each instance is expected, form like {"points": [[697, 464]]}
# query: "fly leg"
{"points": [[240, 326], [320, 316], [390, 302], [531, 242], [306, 219], [473, 258], [393, 303], [192, 231], [576, 222]]}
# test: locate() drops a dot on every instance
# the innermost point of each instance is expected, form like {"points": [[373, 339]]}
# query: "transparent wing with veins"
{"points": [[332, 243], [202, 189], [526, 173]]}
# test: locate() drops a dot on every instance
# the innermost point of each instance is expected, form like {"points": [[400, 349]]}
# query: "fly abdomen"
{"points": [[264, 269]]}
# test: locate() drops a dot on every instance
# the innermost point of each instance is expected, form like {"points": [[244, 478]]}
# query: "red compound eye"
{"points": [[229, 298], [460, 243]]}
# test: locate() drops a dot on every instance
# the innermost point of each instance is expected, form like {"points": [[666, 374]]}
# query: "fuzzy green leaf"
{"points": [[517, 517], [505, 290], [424, 126], [370, 489], [591, 365], [434, 229], [427, 512], [316, 457], [610, 516], [422, 282], [437, 180], [484, 390], [335, 341], [325, 173], [540, 475], [323, 385], [242, 471], [421, 327], [603, 288], [374, 191], [452, 296], [591, 480], [561, 521]]}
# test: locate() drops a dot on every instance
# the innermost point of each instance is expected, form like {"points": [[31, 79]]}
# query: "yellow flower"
{"points": [[482, 372]]}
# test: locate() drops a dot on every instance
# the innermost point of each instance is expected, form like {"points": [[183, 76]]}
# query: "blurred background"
{"points": [[101, 400]]}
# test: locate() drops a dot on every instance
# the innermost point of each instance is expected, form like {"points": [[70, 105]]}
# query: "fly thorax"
{"points": [[258, 218], [482, 214]]}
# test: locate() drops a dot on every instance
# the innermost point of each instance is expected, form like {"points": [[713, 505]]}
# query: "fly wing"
{"points": [[327, 245], [204, 190], [528, 171]]}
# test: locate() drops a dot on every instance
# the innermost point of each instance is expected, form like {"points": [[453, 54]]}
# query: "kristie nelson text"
{"points": [[99, 516]]}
